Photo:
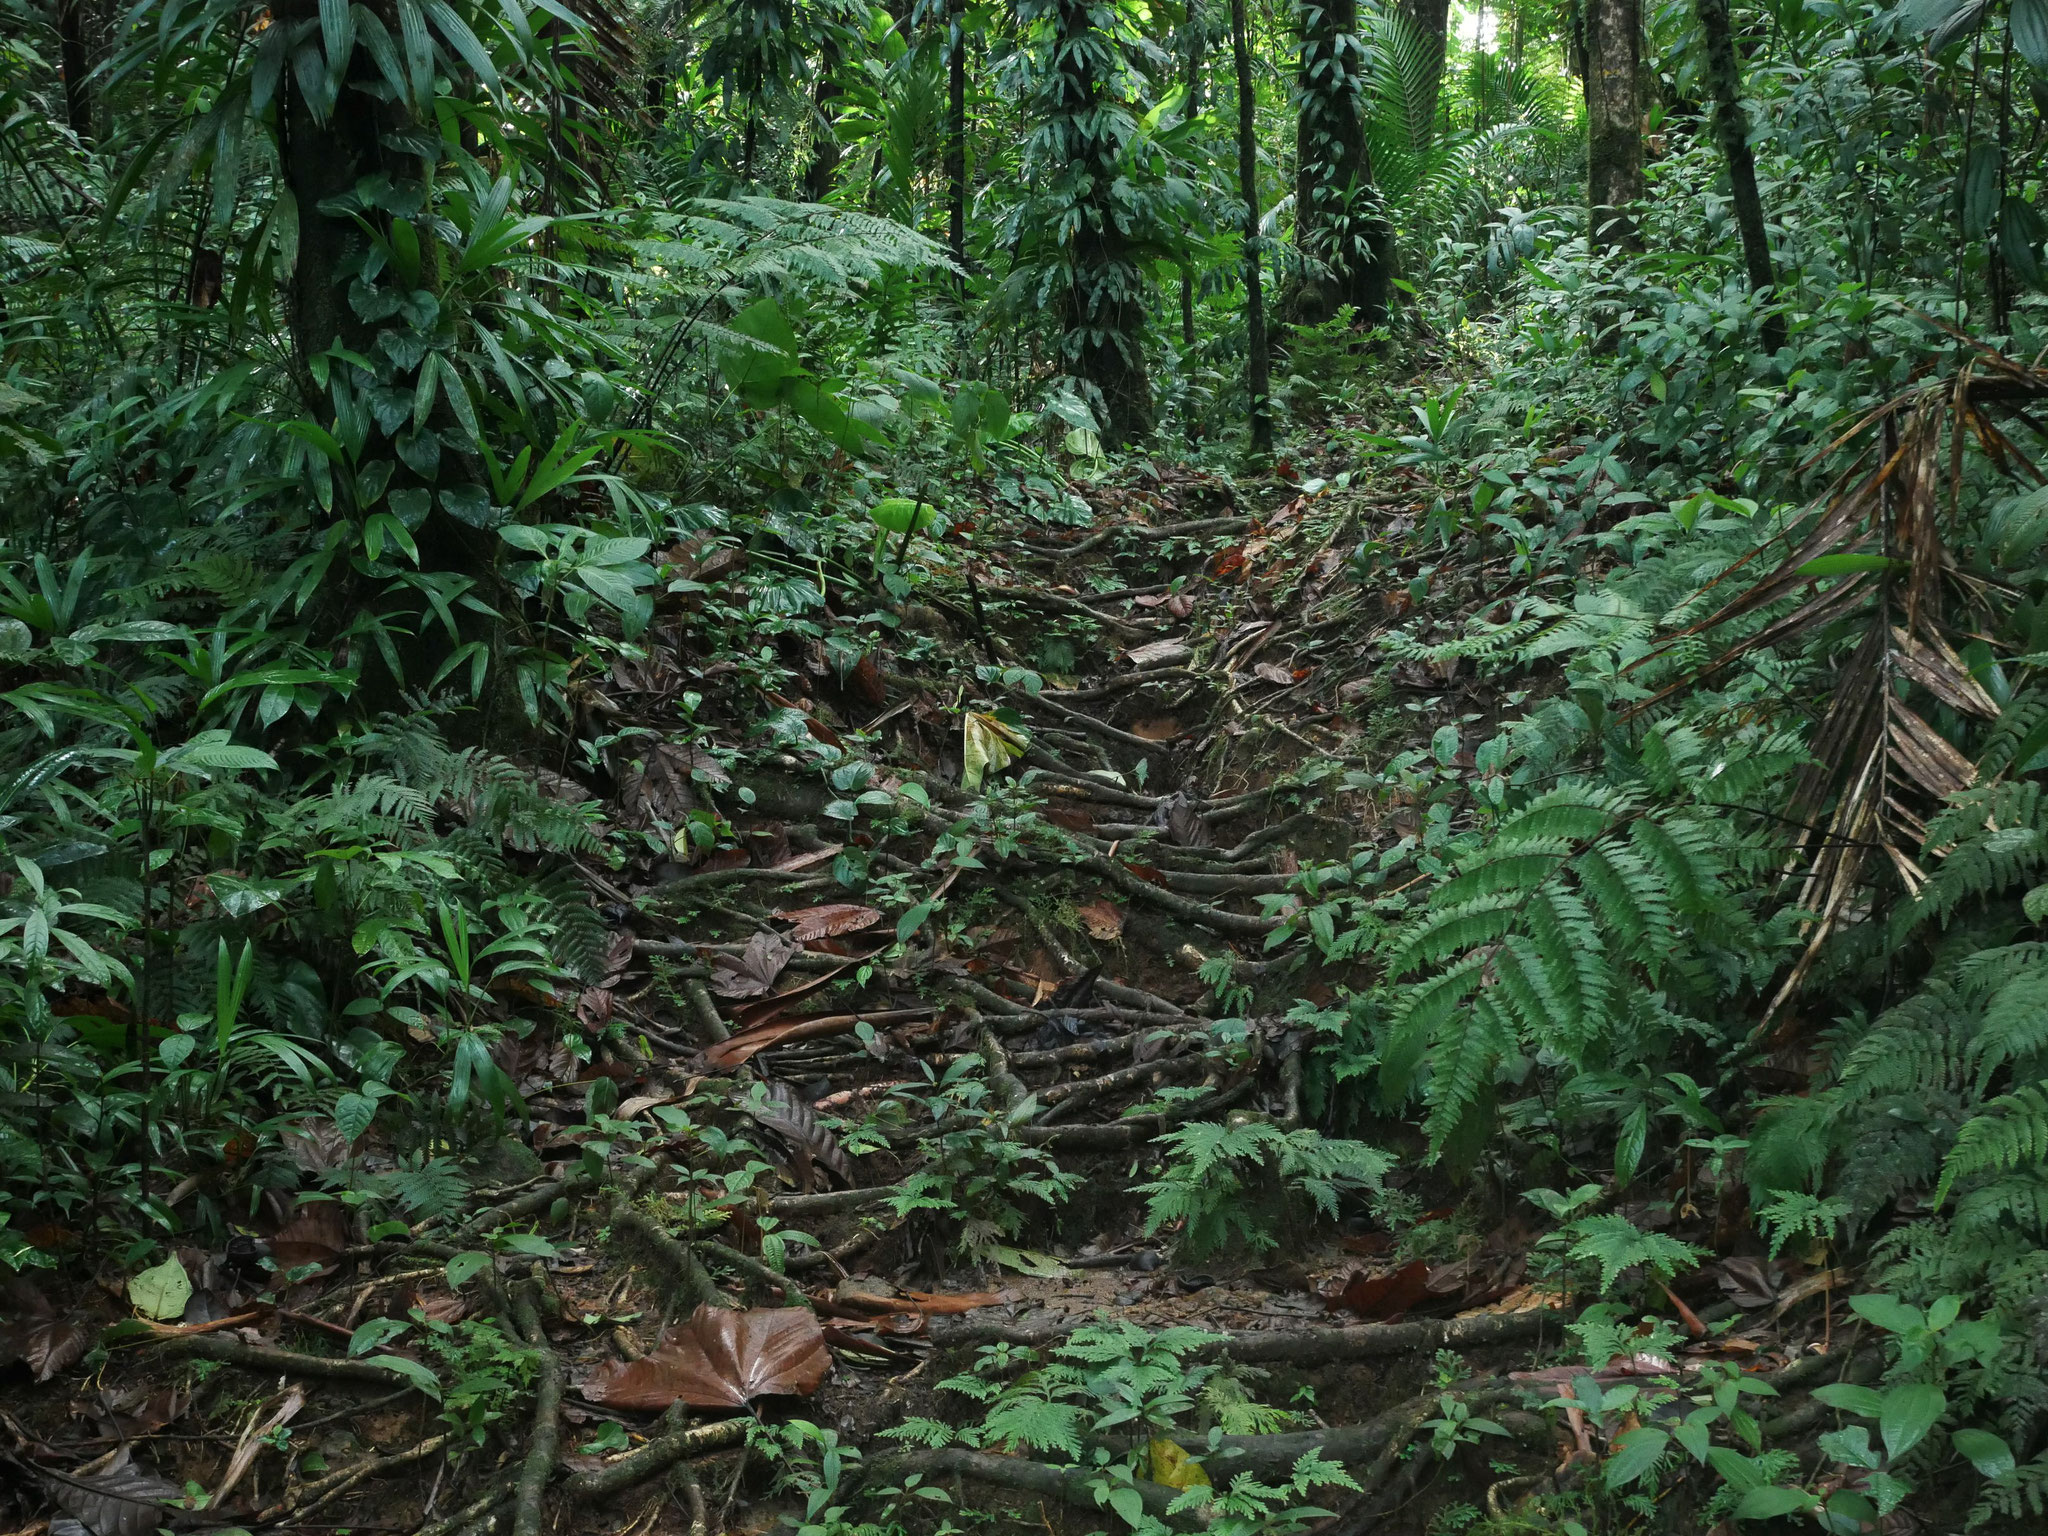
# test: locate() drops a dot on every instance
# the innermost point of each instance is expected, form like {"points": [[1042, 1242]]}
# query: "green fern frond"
{"points": [[2012, 1131]]}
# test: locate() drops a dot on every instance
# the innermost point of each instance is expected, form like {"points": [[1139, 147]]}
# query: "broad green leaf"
{"points": [[1636, 1455], [1771, 1503], [465, 1267], [377, 1331], [413, 1372], [1990, 1455], [1847, 1397], [1887, 1312], [900, 515], [1909, 1413], [2030, 33], [912, 920], [161, 1292]]}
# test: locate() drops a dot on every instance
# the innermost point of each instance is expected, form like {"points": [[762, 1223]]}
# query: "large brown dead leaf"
{"points": [[38, 1337], [755, 969], [721, 1359], [786, 1113], [830, 920], [316, 1234], [1379, 1298]]}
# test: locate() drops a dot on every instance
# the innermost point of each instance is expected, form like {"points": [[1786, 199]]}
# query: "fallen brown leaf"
{"points": [[721, 1359], [830, 920], [1377, 1298], [1100, 919]]}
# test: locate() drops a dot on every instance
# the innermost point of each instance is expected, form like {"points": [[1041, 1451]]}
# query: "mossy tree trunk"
{"points": [[1614, 132], [1258, 359], [1338, 222]]}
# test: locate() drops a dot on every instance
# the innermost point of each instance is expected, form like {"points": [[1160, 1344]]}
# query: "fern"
{"points": [[1551, 936], [2010, 1133]]}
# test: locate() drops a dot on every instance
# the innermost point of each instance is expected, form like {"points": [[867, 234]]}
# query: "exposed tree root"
{"points": [[539, 1465], [656, 1457]]}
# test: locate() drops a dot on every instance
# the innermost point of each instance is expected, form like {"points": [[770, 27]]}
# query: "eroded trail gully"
{"points": [[870, 1084]]}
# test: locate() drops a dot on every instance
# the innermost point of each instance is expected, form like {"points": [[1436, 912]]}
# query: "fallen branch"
{"points": [[280, 1362], [312, 1495], [1231, 924], [656, 1457], [1070, 1485], [752, 1268], [470, 1514], [833, 1202], [1305, 1346], [531, 1203]]}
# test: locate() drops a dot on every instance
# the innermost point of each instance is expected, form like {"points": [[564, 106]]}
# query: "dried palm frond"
{"points": [[1877, 552]]}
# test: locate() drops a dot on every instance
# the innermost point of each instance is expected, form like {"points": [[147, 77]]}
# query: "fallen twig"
{"points": [[312, 1495]]}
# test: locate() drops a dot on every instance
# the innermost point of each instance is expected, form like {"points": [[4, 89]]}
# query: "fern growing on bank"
{"points": [[1580, 929]]}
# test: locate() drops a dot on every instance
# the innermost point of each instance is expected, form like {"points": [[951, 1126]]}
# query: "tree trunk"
{"points": [[74, 53], [1197, 51], [1731, 124], [824, 163], [1104, 305], [956, 132], [1614, 137], [1258, 359], [1338, 223], [324, 157]]}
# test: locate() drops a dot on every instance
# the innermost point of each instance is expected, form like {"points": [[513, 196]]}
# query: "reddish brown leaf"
{"points": [[1378, 1298], [830, 920], [865, 682], [1370, 1245], [721, 1359], [39, 1338], [727, 1054], [1072, 820]]}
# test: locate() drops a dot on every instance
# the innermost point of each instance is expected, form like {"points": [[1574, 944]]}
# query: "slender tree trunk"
{"points": [[956, 132], [1731, 124], [1258, 357], [824, 163], [74, 53], [1614, 133], [1338, 222]]}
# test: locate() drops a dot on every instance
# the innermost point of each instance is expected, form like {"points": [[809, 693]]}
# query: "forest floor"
{"points": [[1224, 638]]}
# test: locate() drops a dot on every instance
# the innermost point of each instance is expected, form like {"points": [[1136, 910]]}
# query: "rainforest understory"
{"points": [[1068, 767]]}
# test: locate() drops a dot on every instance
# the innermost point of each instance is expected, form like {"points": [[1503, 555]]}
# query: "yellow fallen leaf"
{"points": [[1173, 1467]]}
